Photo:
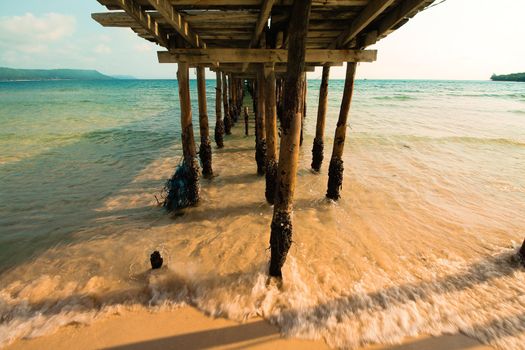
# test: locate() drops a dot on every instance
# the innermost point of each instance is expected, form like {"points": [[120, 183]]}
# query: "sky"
{"points": [[457, 39]]}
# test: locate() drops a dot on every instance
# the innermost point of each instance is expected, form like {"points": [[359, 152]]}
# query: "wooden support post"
{"points": [[246, 120], [205, 146], [227, 116], [232, 102], [188, 143], [260, 147], [281, 228], [270, 112], [240, 94], [280, 91], [318, 147], [219, 123], [303, 107], [335, 170]]}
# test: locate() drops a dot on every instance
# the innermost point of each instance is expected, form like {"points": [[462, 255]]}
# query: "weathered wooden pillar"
{"points": [[280, 91], [303, 107], [232, 101], [219, 124], [254, 106], [205, 146], [241, 94], [227, 116], [318, 147], [260, 147], [270, 112], [189, 151], [246, 121], [281, 228], [335, 170]]}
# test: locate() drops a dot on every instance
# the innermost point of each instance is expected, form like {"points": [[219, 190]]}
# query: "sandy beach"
{"points": [[187, 328]]}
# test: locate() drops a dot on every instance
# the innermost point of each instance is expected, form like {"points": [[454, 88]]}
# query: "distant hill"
{"points": [[509, 77], [10, 74]]}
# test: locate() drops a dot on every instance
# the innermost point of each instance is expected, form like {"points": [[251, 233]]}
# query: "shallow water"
{"points": [[421, 242]]}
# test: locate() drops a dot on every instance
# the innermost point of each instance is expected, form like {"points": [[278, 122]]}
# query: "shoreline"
{"points": [[188, 328]]}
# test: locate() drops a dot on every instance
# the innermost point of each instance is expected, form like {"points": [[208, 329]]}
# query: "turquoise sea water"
{"points": [[449, 154]]}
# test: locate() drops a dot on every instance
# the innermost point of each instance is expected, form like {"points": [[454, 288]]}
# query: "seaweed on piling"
{"points": [[205, 156], [271, 180], [219, 133], [182, 189], [260, 156], [335, 178], [317, 154]]}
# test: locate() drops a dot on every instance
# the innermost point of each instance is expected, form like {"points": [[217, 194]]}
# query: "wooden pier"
{"points": [[267, 45]]}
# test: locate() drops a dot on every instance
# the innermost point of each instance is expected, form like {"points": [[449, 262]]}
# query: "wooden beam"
{"points": [[369, 13], [116, 19], [262, 21], [209, 56], [145, 20], [236, 69], [175, 19]]}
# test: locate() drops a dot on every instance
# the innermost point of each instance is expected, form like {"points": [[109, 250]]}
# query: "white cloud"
{"points": [[29, 38], [43, 29]]}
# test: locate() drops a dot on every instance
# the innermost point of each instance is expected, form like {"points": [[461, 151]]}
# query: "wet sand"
{"points": [[187, 328]]}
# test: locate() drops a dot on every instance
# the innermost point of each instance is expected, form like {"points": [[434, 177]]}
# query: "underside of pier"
{"points": [[264, 47]]}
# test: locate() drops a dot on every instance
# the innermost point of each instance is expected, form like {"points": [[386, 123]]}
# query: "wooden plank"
{"points": [[369, 13], [236, 36], [145, 20], [230, 17], [236, 4], [113, 19], [204, 56], [175, 19]]}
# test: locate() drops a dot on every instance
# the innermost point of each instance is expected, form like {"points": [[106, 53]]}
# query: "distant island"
{"points": [[509, 77], [11, 74]]}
